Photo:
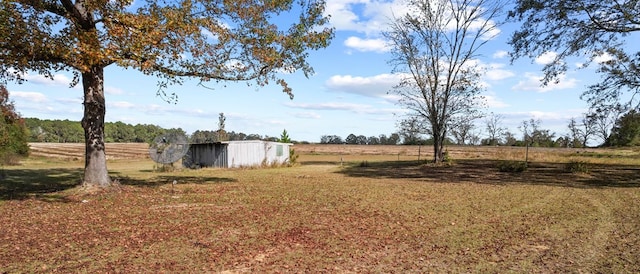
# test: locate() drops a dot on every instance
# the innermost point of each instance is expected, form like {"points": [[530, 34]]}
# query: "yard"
{"points": [[342, 209]]}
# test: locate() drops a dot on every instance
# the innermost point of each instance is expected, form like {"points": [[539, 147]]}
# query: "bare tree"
{"points": [[580, 132], [412, 129], [462, 131], [435, 44], [493, 124], [509, 138], [528, 128], [602, 121]]}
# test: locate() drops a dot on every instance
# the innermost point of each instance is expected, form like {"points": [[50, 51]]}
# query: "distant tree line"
{"points": [[353, 139], [606, 128], [66, 131], [212, 136], [609, 130], [398, 138]]}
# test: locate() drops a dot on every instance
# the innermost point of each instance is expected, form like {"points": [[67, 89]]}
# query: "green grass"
{"points": [[385, 216]]}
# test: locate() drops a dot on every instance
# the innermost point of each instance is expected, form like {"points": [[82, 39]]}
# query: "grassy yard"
{"points": [[336, 212]]}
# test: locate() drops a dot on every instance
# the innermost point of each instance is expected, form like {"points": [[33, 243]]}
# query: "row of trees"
{"points": [[352, 139], [624, 131], [65, 131]]}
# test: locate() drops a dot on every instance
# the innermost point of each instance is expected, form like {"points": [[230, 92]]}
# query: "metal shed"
{"points": [[234, 154]]}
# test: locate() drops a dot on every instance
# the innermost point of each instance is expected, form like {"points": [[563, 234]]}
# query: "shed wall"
{"points": [[206, 155], [256, 153]]}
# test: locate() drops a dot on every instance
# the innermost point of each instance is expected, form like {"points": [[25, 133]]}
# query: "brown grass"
{"points": [[324, 216], [75, 151]]}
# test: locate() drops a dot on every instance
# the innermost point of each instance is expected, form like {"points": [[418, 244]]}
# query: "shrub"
{"points": [[577, 167], [10, 158], [512, 166], [164, 168], [13, 131], [447, 160], [293, 157]]}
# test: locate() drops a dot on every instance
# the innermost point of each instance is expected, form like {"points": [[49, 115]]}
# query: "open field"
{"points": [[343, 209], [75, 151]]}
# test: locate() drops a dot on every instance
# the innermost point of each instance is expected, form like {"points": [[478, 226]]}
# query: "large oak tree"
{"points": [[209, 40]]}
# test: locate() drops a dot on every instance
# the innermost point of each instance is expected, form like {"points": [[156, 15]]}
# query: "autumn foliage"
{"points": [[13, 131], [210, 41]]}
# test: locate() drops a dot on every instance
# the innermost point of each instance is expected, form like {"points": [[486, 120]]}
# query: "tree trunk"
{"points": [[437, 148], [95, 165], [438, 140]]}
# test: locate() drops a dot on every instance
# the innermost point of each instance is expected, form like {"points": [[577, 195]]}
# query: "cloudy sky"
{"points": [[347, 94]]}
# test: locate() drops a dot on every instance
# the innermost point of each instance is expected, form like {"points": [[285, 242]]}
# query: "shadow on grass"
{"points": [[24, 183], [19, 184], [318, 163], [486, 172], [169, 179]]}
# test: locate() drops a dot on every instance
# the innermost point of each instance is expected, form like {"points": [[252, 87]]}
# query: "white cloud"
{"points": [[208, 33], [372, 17], [342, 18], [500, 54], [362, 15], [494, 102], [58, 79], [492, 31], [307, 115], [34, 97], [374, 86], [69, 100], [375, 45], [155, 109], [495, 72], [350, 107], [546, 58], [328, 106], [604, 57], [533, 82], [113, 90], [598, 58], [122, 104]]}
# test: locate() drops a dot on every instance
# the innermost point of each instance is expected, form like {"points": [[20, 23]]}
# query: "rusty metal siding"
{"points": [[206, 155]]}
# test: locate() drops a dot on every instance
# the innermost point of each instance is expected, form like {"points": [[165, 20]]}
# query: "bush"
{"points": [[512, 166], [447, 160], [577, 167], [13, 131], [10, 158], [293, 157]]}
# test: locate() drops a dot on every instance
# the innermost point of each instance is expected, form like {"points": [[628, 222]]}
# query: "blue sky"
{"points": [[347, 94]]}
